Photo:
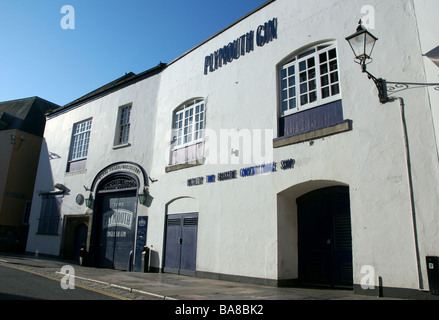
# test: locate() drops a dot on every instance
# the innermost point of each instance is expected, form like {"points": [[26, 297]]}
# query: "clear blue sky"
{"points": [[40, 58]]}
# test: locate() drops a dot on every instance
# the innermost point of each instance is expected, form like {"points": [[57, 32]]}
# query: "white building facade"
{"points": [[261, 155]]}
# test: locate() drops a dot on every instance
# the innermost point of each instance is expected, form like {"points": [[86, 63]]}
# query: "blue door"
{"points": [[117, 229], [324, 238], [181, 244], [81, 233]]}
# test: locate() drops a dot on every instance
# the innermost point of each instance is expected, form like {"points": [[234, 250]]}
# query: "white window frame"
{"points": [[80, 140], [189, 123], [123, 125], [299, 78]]}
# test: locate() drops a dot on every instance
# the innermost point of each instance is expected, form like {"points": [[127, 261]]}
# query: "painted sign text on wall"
{"points": [[118, 167], [122, 167], [262, 169], [245, 44], [115, 218]]}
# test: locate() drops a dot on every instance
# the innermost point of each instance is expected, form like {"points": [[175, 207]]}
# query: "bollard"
{"points": [[145, 260], [82, 254]]}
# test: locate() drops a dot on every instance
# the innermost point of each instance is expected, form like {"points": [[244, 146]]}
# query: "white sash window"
{"points": [[189, 124], [310, 79], [80, 140], [188, 132]]}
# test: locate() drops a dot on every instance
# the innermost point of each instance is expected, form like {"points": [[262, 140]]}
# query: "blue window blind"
{"points": [[50, 215], [321, 117]]}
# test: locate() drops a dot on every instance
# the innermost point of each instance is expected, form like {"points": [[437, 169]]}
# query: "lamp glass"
{"points": [[142, 198], [89, 201], [369, 44], [362, 43]]}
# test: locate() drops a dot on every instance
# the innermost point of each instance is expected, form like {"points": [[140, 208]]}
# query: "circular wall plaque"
{"points": [[80, 199]]}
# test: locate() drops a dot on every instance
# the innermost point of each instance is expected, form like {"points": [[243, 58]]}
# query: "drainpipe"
{"points": [[412, 196]]}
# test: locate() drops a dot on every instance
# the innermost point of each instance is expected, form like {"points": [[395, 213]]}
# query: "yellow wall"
{"points": [[18, 167]]}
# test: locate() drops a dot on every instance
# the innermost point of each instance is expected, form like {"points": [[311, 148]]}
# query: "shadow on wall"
{"points": [[43, 184]]}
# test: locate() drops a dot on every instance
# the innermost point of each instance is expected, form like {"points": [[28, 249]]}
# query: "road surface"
{"points": [[20, 284]]}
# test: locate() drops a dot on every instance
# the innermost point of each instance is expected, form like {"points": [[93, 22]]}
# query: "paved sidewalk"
{"points": [[176, 287]]}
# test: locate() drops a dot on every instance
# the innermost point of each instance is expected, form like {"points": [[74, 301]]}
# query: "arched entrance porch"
{"points": [[114, 226], [315, 237]]}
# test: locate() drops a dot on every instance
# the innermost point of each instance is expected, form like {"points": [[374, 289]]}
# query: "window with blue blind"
{"points": [[188, 132], [309, 91]]}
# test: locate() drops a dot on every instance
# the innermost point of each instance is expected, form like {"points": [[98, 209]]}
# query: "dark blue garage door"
{"points": [[324, 238], [181, 243]]}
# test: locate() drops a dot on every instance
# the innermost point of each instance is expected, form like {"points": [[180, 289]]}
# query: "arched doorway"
{"points": [[81, 233], [181, 233], [325, 238], [114, 225], [75, 234]]}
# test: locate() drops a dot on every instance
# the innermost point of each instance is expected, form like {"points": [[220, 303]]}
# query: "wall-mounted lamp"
{"points": [[362, 43], [21, 138], [143, 197], [89, 201]]}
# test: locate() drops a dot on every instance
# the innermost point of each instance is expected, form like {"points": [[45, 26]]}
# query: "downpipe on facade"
{"points": [[412, 196]]}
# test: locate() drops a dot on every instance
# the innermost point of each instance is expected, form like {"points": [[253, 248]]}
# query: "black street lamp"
{"points": [[143, 197], [362, 43], [89, 201]]}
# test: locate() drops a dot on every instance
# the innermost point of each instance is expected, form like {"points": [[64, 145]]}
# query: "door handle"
{"points": [[180, 240]]}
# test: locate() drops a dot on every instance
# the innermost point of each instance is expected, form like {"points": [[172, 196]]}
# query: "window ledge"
{"points": [[74, 173], [316, 134], [120, 146], [186, 165]]}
